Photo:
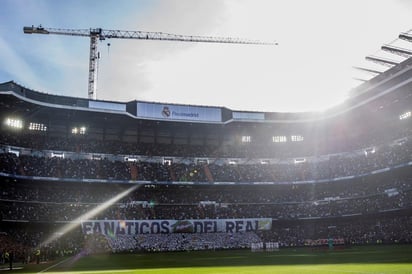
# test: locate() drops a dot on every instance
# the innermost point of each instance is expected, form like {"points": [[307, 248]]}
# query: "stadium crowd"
{"points": [[182, 241], [376, 229], [334, 166], [26, 240], [62, 201], [370, 209], [41, 141]]}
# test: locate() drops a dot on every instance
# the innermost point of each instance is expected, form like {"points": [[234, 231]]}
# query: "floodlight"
{"points": [[14, 123], [405, 115], [37, 127], [79, 130], [296, 138], [279, 139], [246, 139]]}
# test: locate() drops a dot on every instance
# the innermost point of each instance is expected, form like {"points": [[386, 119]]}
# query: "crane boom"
{"points": [[98, 34]]}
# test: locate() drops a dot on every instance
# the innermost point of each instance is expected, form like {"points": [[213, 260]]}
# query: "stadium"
{"points": [[95, 186]]}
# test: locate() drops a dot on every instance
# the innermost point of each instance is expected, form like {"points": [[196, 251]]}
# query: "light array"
{"points": [[405, 115], [37, 127], [14, 123], [79, 130], [296, 138], [279, 139], [246, 139]]}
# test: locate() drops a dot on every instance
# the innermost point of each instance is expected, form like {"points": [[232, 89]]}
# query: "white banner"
{"points": [[107, 105], [178, 112], [133, 227]]}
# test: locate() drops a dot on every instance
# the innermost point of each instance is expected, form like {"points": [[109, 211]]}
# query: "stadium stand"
{"points": [[235, 177]]}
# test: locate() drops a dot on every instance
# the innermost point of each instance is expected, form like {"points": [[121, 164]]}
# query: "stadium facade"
{"points": [[292, 178]]}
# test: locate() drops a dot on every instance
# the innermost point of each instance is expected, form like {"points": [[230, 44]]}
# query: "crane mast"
{"points": [[98, 34]]}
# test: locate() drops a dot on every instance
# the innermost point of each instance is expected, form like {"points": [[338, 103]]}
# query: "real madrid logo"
{"points": [[166, 112]]}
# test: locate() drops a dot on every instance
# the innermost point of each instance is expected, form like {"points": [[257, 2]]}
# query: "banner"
{"points": [[320, 242], [134, 227], [179, 112]]}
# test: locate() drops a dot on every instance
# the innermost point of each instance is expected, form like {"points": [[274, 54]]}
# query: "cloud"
{"points": [[15, 66], [236, 76], [124, 65], [319, 42]]}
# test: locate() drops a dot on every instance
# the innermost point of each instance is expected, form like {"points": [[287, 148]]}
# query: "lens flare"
{"points": [[88, 215]]}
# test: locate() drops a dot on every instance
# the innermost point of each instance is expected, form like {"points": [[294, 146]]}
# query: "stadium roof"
{"points": [[393, 82], [314, 59]]}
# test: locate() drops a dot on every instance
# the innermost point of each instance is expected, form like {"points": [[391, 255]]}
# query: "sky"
{"points": [[311, 69]]}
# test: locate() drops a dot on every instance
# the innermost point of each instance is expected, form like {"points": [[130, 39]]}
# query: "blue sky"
{"points": [[311, 69]]}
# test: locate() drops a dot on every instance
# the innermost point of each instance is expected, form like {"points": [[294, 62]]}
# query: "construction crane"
{"points": [[99, 34]]}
